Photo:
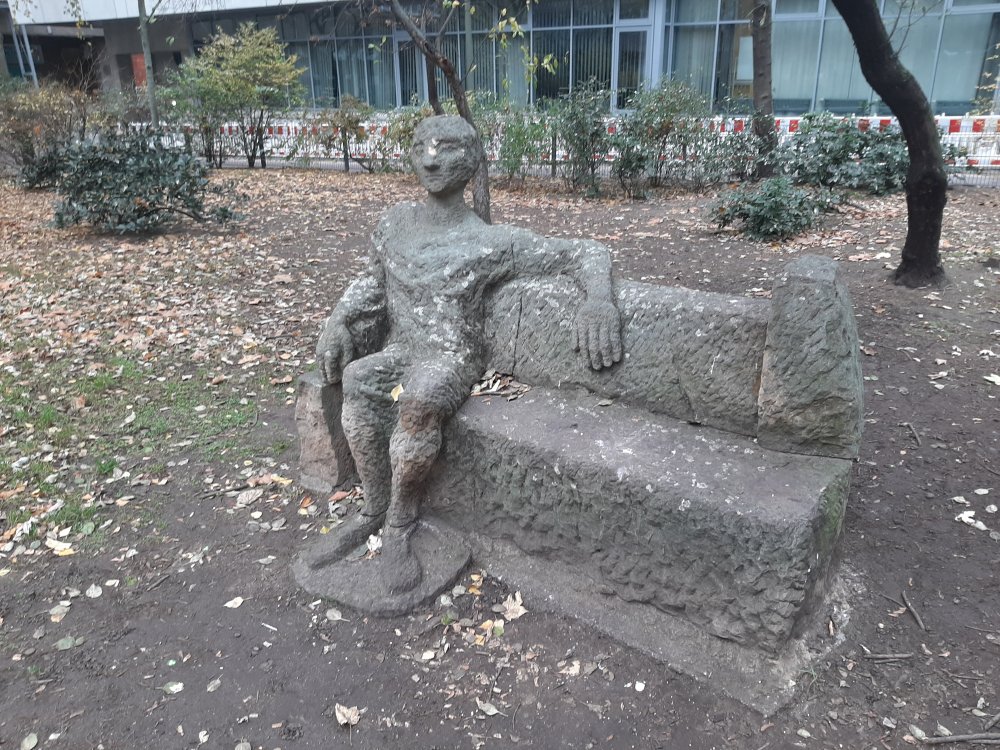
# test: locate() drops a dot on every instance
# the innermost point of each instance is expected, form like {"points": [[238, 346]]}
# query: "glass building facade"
{"points": [[951, 46]]}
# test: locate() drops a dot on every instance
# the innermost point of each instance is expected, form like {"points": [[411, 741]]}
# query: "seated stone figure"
{"points": [[407, 339]]}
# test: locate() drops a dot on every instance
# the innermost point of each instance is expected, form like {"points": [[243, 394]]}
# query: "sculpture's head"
{"points": [[445, 154]]}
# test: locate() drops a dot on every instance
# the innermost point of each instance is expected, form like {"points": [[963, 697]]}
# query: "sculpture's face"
{"points": [[444, 155]]}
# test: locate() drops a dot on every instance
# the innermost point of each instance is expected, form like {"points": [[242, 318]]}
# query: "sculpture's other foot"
{"points": [[342, 540], [399, 560]]}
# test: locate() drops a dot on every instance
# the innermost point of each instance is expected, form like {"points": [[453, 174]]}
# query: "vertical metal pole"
{"points": [[27, 53], [17, 47]]}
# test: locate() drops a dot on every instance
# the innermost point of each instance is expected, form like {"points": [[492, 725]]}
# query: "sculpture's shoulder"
{"points": [[395, 221]]}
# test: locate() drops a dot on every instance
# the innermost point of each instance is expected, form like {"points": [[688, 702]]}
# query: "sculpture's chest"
{"points": [[448, 264]]}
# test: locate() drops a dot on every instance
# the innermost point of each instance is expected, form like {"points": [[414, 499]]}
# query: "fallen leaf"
{"points": [[234, 602], [172, 688], [30, 742], [512, 608], [993, 378], [396, 392], [248, 497], [214, 685], [968, 518], [94, 591], [334, 615], [488, 708], [571, 670], [347, 717]]}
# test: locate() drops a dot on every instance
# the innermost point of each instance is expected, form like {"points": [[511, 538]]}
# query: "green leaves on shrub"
{"points": [[771, 209], [833, 152], [524, 136], [131, 182], [579, 121]]}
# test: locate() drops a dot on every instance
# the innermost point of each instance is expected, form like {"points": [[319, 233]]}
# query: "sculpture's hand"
{"points": [[599, 334], [335, 350]]}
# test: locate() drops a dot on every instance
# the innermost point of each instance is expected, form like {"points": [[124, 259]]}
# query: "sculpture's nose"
{"points": [[430, 158]]}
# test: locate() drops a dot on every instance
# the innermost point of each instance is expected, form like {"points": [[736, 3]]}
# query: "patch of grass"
{"points": [[47, 417], [105, 467], [74, 514]]}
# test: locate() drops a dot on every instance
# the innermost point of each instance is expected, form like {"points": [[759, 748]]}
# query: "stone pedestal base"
{"points": [[364, 584]]}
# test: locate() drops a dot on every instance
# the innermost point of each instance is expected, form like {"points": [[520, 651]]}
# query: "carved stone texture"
{"points": [[695, 356], [811, 388], [325, 459], [695, 522]]}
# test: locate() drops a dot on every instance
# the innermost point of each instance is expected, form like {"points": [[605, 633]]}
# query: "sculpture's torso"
{"points": [[436, 279]]}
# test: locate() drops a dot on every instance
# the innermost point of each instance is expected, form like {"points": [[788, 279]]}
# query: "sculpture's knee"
{"points": [[357, 375], [414, 450], [419, 414]]}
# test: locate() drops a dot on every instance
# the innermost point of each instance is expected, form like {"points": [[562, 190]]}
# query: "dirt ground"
{"points": [[147, 517]]}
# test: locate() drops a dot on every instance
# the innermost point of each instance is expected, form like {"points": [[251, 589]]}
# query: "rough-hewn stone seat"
{"points": [[698, 522], [729, 522]]}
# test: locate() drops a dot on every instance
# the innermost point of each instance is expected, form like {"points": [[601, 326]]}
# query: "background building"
{"points": [[951, 46]]}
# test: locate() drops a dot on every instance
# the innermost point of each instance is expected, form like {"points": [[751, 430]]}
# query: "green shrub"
{"points": [[770, 209], [36, 125], [579, 122], [661, 122], [633, 162], [131, 182], [523, 138], [245, 78], [833, 152]]}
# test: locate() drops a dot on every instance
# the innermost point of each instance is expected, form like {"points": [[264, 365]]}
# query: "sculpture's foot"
{"points": [[413, 566], [400, 562], [342, 540]]}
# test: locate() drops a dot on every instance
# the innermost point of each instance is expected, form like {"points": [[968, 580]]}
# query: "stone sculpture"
{"points": [[407, 342], [686, 501]]}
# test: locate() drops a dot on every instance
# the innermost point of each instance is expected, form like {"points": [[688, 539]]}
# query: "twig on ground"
{"points": [[888, 657], [916, 615], [992, 723], [159, 582], [913, 432], [982, 630], [983, 738], [894, 601]]}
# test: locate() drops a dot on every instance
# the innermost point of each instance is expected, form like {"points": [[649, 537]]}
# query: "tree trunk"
{"points": [[763, 102], [147, 57], [926, 180], [432, 86], [480, 180]]}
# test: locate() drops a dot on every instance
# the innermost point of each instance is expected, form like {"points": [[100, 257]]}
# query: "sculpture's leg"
{"points": [[432, 395], [368, 416]]}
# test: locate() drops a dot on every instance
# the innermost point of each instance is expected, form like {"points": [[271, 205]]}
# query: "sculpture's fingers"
{"points": [[616, 340], [606, 347], [594, 345], [326, 366]]}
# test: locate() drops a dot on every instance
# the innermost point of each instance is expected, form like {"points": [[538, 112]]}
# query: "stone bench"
{"points": [[711, 488]]}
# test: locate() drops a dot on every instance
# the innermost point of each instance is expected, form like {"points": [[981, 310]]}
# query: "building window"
{"points": [[841, 88], [795, 46], [968, 63]]}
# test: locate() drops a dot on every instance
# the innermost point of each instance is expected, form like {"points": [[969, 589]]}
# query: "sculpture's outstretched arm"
{"points": [[588, 262]]}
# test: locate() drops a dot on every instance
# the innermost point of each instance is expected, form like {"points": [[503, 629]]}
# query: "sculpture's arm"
{"points": [[357, 325], [588, 262]]}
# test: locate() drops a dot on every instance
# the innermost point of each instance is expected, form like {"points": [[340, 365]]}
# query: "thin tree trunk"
{"points": [[763, 102], [926, 180], [480, 180], [432, 86], [147, 58]]}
